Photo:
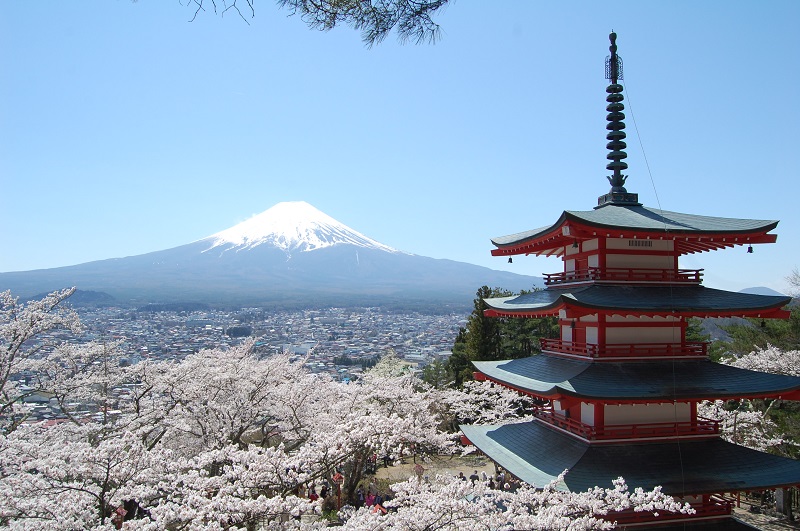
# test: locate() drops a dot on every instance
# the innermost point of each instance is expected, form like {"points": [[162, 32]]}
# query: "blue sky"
{"points": [[126, 129]]}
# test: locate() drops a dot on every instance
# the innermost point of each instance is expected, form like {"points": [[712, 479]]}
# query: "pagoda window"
{"points": [[624, 414], [641, 245]]}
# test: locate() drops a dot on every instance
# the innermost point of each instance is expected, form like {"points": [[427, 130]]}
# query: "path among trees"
{"points": [[444, 465]]}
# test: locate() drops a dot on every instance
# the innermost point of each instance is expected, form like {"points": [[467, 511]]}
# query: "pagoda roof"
{"points": [[641, 381], [692, 233], [537, 454], [695, 301]]}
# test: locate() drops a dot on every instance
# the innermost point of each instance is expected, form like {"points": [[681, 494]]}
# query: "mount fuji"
{"points": [[291, 255], [291, 226]]}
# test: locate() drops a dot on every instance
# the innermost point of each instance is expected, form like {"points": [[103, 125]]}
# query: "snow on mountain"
{"points": [[261, 262], [291, 226]]}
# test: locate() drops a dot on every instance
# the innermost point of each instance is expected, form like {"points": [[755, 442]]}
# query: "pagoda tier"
{"points": [[672, 232], [687, 301], [537, 454], [635, 401], [697, 472], [553, 377]]}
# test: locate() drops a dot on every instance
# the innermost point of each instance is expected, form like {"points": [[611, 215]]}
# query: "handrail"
{"points": [[702, 426], [715, 507], [689, 349], [632, 274]]}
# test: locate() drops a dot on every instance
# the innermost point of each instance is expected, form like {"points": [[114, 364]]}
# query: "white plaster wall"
{"points": [[634, 319], [590, 245], [566, 333], [623, 335], [646, 413], [591, 335], [594, 260], [569, 265], [628, 261], [587, 413]]}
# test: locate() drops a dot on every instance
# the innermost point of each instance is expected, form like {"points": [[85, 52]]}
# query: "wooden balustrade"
{"points": [[628, 350], [701, 426], [716, 506], [682, 276]]}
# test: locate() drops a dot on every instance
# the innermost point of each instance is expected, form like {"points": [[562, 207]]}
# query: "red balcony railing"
{"points": [[627, 350], [687, 276], [701, 426], [716, 506]]}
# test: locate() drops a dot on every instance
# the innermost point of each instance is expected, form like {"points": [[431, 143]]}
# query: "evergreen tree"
{"points": [[746, 336], [484, 336], [491, 338], [437, 374], [459, 364]]}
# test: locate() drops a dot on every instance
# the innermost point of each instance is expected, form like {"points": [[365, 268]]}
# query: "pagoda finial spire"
{"points": [[616, 134]]}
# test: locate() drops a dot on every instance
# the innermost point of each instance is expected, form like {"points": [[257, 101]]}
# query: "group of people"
{"points": [[501, 480], [371, 498]]}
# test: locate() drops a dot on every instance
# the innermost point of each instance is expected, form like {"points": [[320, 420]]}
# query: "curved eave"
{"points": [[635, 382], [537, 455], [558, 392], [689, 301], [549, 241], [576, 311]]}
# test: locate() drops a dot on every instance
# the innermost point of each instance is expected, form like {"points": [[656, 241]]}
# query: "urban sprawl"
{"points": [[337, 341]]}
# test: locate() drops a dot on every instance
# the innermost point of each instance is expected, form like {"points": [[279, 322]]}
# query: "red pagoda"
{"points": [[621, 385]]}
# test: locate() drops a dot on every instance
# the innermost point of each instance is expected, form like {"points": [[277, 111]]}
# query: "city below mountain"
{"points": [[291, 255]]}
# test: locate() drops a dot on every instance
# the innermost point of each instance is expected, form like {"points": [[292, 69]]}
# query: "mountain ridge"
{"points": [[288, 255]]}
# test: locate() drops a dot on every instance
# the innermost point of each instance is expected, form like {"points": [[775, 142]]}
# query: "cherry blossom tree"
{"points": [[24, 337], [69, 476], [747, 421], [742, 423], [793, 279], [452, 504], [224, 439], [769, 359], [485, 403]]}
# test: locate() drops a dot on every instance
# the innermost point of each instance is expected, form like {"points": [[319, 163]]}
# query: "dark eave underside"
{"points": [[537, 454], [628, 300], [550, 376], [691, 233]]}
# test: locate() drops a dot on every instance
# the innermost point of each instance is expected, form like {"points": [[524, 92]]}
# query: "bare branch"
{"points": [[375, 19]]}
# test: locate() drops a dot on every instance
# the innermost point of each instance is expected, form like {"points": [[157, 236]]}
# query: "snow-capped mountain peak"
{"points": [[292, 226]]}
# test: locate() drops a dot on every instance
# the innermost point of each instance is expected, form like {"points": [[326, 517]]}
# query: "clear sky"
{"points": [[126, 129]]}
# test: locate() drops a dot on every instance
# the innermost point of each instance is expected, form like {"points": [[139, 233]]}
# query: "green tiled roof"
{"points": [[536, 454], [640, 298], [646, 219], [641, 380]]}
